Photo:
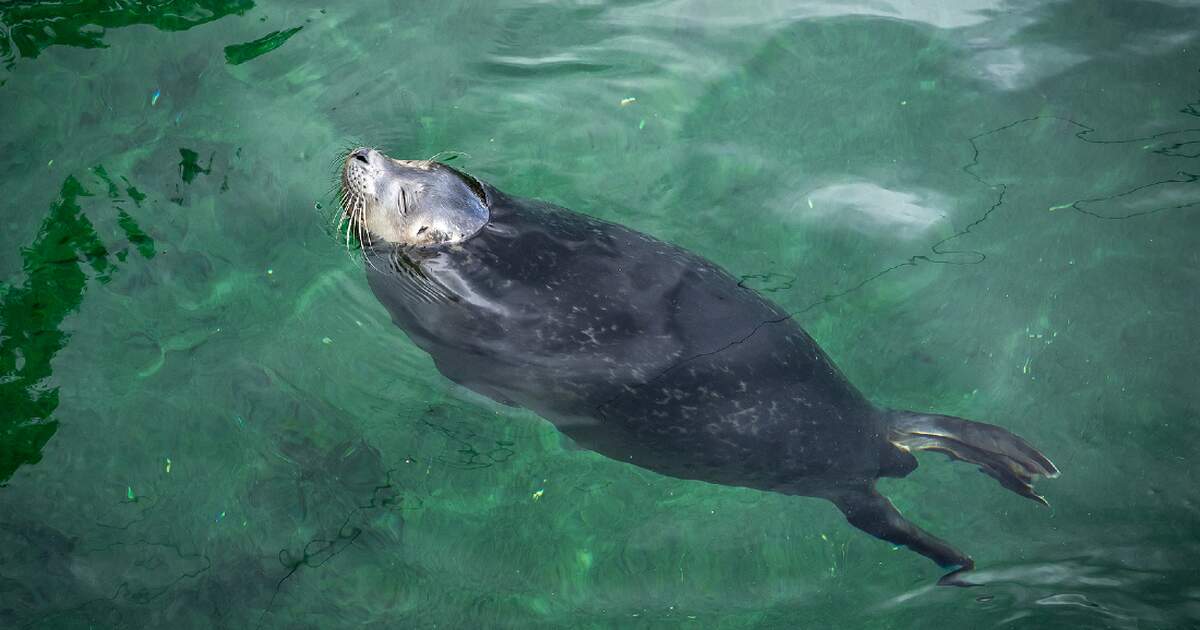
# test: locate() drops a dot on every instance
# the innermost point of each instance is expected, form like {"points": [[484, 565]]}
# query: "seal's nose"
{"points": [[362, 155]]}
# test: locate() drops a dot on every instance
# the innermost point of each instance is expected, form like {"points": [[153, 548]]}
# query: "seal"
{"points": [[642, 351]]}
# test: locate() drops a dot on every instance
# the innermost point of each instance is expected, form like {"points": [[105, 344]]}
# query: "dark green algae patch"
{"points": [[241, 53]]}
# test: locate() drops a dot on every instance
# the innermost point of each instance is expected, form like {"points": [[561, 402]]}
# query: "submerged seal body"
{"points": [[642, 351]]}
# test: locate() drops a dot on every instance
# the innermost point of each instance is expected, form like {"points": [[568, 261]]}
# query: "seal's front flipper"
{"points": [[871, 512], [998, 453]]}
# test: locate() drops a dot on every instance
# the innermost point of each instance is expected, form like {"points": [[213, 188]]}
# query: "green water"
{"points": [[983, 208]]}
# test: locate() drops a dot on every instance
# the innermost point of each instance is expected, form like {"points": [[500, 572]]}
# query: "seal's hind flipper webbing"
{"points": [[997, 452], [871, 512]]}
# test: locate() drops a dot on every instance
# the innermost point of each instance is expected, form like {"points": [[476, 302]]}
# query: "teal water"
{"points": [[986, 209]]}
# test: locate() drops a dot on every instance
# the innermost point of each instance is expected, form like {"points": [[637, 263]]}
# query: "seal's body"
{"points": [[649, 354]]}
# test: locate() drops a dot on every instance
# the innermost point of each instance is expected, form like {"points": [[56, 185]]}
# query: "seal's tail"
{"points": [[997, 452]]}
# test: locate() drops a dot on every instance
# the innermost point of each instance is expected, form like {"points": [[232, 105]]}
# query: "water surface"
{"points": [[982, 208]]}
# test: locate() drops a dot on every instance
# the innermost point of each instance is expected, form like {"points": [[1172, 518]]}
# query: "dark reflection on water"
{"points": [[31, 316], [241, 53], [27, 27]]}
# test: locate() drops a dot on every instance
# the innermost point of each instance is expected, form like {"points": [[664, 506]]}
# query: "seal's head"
{"points": [[410, 202]]}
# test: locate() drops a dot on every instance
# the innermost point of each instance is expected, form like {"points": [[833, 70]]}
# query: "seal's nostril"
{"points": [[361, 156]]}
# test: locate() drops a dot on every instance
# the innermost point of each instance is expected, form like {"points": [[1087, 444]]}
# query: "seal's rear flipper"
{"points": [[871, 512], [998, 453]]}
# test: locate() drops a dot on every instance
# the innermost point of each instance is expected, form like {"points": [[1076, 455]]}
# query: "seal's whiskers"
{"points": [[364, 237]]}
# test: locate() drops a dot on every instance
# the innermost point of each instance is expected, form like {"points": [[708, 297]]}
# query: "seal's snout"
{"points": [[356, 168]]}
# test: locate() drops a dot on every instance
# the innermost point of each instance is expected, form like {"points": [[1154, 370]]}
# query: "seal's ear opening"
{"points": [[471, 183]]}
